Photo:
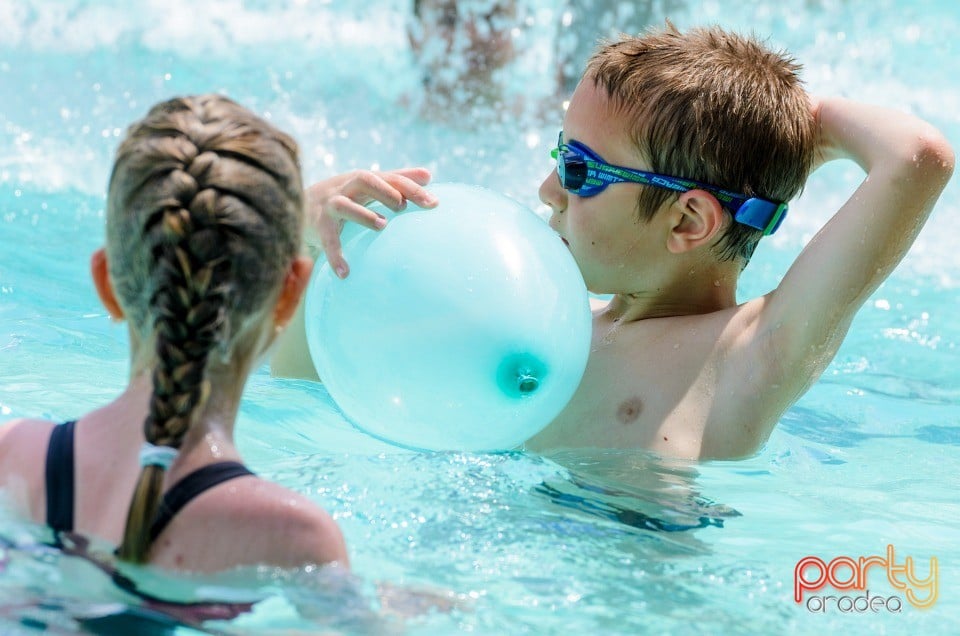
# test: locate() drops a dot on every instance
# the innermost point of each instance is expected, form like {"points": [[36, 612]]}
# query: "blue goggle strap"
{"points": [[761, 214], [755, 212]]}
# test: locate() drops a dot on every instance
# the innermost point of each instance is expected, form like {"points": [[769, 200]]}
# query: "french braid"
{"points": [[204, 218]]}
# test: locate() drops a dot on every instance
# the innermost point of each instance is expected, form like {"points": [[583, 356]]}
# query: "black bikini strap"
{"points": [[192, 485], [59, 478]]}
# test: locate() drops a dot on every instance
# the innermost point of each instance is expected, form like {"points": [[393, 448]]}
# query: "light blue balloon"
{"points": [[465, 327]]}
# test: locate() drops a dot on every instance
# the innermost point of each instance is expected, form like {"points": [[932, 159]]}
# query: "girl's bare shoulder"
{"points": [[23, 434]]}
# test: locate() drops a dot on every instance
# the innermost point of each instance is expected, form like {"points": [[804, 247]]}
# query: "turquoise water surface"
{"points": [[578, 542]]}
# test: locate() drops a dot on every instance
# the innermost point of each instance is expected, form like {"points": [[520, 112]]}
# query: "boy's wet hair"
{"points": [[204, 218], [712, 106]]}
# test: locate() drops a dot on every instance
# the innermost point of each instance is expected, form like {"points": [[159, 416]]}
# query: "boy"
{"points": [[676, 365]]}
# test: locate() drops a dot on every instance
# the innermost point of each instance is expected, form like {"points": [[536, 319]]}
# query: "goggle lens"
{"points": [[571, 168]]}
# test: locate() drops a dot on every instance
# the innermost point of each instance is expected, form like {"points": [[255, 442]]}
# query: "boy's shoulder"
{"points": [[727, 345], [726, 323]]}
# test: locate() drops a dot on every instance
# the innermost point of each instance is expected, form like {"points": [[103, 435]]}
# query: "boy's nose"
{"points": [[554, 196]]}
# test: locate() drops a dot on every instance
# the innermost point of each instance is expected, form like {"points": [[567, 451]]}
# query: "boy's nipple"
{"points": [[629, 410]]}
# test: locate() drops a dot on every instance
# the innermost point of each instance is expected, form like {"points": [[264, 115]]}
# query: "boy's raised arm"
{"points": [[908, 163]]}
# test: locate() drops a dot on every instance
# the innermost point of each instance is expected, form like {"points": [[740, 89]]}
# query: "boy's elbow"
{"points": [[934, 156]]}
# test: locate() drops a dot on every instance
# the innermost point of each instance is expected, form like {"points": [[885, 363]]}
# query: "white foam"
{"points": [[213, 27]]}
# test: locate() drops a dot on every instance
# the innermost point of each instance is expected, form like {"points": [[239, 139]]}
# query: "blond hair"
{"points": [[204, 217]]}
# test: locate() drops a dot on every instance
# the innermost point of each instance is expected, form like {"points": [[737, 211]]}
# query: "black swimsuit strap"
{"points": [[192, 485], [59, 474], [59, 477]]}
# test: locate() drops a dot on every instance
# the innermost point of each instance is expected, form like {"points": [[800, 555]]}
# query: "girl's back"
{"points": [[203, 231]]}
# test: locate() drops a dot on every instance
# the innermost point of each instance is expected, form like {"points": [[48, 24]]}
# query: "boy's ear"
{"points": [[293, 287], [101, 280], [698, 218]]}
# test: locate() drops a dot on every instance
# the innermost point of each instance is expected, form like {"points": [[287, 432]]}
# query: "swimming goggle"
{"points": [[584, 173]]}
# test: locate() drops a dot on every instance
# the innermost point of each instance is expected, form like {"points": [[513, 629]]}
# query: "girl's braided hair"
{"points": [[204, 217]]}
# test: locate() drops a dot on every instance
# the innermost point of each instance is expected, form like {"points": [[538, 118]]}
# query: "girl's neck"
{"points": [[210, 438]]}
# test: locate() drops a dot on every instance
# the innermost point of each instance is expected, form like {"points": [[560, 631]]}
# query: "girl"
{"points": [[204, 220]]}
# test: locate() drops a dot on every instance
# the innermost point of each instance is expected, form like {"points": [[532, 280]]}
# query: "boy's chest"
{"points": [[649, 388]]}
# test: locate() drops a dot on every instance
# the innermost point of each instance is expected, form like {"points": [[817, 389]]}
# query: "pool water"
{"points": [[575, 542]]}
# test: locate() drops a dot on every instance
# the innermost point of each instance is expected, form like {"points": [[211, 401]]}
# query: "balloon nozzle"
{"points": [[527, 382], [521, 375]]}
